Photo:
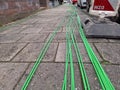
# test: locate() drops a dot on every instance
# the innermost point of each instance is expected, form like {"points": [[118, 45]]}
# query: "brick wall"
{"points": [[11, 10]]}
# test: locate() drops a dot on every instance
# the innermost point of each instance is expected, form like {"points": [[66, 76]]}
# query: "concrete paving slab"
{"points": [[49, 31], [109, 51], [39, 14], [13, 30], [49, 76], [47, 16], [83, 52], [48, 28], [51, 53], [58, 14], [31, 52], [28, 22], [8, 51], [10, 38], [34, 38], [50, 25], [97, 40], [32, 30], [61, 53], [76, 33], [37, 25], [85, 55], [114, 40], [48, 22], [78, 38], [113, 72], [10, 74], [77, 78], [43, 21], [93, 81], [60, 37], [52, 20], [54, 12]]}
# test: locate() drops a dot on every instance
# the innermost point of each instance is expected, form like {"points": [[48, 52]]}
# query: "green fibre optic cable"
{"points": [[64, 86], [40, 57], [81, 65], [71, 60], [103, 78]]}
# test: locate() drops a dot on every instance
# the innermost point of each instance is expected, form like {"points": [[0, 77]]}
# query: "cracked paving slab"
{"points": [[109, 51], [49, 76], [8, 51], [10, 74], [113, 72], [32, 50]]}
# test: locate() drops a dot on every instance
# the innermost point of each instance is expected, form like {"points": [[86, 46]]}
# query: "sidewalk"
{"points": [[21, 44]]}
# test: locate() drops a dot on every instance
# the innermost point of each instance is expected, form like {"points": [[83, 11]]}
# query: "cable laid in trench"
{"points": [[41, 55]]}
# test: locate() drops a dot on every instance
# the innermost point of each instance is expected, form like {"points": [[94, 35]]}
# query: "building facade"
{"points": [[14, 9]]}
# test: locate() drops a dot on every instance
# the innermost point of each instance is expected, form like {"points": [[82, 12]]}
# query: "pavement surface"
{"points": [[22, 41]]}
